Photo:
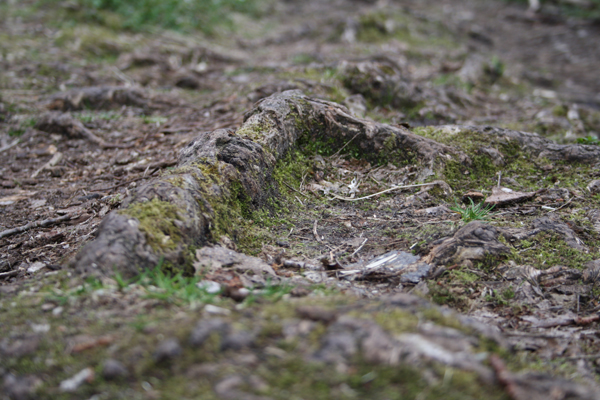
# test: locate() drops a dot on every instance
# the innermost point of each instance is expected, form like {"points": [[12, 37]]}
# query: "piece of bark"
{"points": [[547, 224], [474, 241], [253, 271], [502, 196]]}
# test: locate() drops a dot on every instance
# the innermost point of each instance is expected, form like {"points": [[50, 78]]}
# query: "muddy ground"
{"points": [[428, 102]]}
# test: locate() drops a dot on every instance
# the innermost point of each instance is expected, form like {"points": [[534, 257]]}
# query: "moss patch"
{"points": [[157, 220]]}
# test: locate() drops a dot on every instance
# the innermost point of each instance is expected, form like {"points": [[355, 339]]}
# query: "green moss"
{"points": [[378, 26], [548, 249], [93, 41], [157, 220], [560, 110], [396, 321], [481, 174], [254, 129]]}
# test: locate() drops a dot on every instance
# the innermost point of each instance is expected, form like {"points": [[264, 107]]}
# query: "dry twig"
{"points": [[382, 192], [9, 146], [9, 274], [504, 376], [316, 233], [31, 225]]}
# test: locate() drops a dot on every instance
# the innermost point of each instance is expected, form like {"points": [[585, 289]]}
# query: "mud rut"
{"points": [[192, 211]]}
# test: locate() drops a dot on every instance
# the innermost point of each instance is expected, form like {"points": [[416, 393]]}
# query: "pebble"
{"points": [[205, 328], [315, 313], [20, 387], [35, 267], [300, 291], [237, 341], [113, 370], [209, 308], [211, 287], [167, 350]]}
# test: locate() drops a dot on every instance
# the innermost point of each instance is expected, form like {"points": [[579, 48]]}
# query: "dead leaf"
{"points": [[502, 196]]}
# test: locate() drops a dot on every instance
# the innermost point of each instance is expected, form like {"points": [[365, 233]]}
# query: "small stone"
{"points": [[300, 291], [211, 287], [20, 387], [237, 294], [209, 308], [40, 328], [318, 314], [8, 184], [188, 82], [35, 267], [238, 341], [167, 350], [113, 370], [205, 328]]}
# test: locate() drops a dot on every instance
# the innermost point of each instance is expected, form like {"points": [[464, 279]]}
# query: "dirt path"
{"points": [[189, 152]]}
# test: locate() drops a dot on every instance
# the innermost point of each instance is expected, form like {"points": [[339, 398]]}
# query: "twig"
{"points": [[56, 158], [564, 205], [576, 358], [316, 233], [504, 376], [567, 321], [301, 265], [359, 247], [31, 225], [9, 146], [121, 75], [382, 192], [8, 274], [344, 146], [303, 178], [295, 190]]}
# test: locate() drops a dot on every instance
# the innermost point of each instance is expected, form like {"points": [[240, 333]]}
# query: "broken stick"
{"points": [[38, 224]]}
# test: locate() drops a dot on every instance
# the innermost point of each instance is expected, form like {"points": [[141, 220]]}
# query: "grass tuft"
{"points": [[144, 15], [473, 212]]}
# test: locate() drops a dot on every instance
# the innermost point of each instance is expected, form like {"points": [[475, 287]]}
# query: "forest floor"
{"points": [[325, 321]]}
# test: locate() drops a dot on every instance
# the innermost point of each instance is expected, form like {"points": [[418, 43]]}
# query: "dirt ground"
{"points": [[89, 115]]}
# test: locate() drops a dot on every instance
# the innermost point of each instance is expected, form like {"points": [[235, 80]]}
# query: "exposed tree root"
{"points": [[65, 124], [223, 170]]}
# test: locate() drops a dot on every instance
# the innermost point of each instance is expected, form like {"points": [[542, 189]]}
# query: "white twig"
{"points": [[316, 233], [9, 146], [359, 247], [382, 192], [56, 158]]}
